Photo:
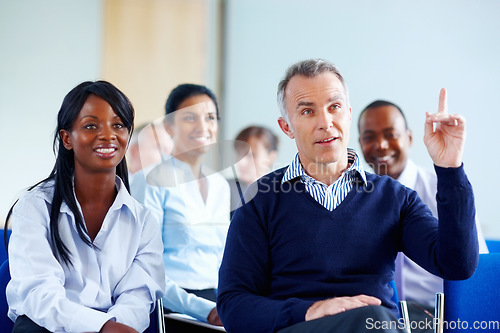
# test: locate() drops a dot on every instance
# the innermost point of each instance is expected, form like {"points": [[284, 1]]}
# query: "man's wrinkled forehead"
{"points": [[301, 88]]}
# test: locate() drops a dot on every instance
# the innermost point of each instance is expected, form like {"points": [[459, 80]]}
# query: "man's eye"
{"points": [[335, 106], [211, 117], [306, 111], [390, 136], [367, 138]]}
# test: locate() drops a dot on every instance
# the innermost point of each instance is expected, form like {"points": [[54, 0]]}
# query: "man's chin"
{"points": [[380, 168]]}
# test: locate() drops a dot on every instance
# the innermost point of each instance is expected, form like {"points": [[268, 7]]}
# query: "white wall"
{"points": [[46, 48], [402, 51]]}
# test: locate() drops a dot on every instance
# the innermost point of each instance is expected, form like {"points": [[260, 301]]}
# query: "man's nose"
{"points": [[382, 143], [325, 119]]}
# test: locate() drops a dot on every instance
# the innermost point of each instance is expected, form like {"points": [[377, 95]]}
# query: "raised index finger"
{"points": [[443, 101]]}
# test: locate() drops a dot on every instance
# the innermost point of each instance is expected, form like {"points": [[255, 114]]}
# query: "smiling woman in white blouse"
{"points": [[191, 201], [84, 255]]}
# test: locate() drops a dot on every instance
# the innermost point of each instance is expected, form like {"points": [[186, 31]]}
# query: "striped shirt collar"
{"points": [[296, 170]]}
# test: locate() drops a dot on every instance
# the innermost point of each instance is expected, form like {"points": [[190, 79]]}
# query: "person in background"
{"points": [[191, 202], [84, 256], [256, 149], [385, 141], [147, 145], [315, 249]]}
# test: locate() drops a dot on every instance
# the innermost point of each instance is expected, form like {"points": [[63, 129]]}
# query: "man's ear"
{"points": [[410, 137], [272, 157], [66, 139], [286, 128]]}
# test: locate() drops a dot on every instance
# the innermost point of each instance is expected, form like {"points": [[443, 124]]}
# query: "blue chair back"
{"points": [[395, 296], [474, 300], [3, 249], [6, 325], [493, 245]]}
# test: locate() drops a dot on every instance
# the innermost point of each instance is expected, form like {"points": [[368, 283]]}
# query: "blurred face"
{"points": [[257, 162], [193, 127], [152, 142], [320, 118], [384, 140], [98, 137]]}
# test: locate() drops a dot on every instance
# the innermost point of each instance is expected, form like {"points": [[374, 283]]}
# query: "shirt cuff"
{"points": [[199, 308], [88, 320]]}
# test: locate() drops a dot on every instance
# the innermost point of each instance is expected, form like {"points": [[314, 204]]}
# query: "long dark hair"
{"points": [[64, 167]]}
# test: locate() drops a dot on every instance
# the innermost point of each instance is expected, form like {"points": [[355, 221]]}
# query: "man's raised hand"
{"points": [[445, 141]]}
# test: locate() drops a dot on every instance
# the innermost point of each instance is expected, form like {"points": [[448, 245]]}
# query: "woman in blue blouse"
{"points": [[191, 201]]}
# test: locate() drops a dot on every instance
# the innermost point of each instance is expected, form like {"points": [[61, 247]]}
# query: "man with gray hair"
{"points": [[314, 250]]}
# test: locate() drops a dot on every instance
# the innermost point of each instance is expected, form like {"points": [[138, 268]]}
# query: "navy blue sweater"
{"points": [[284, 251]]}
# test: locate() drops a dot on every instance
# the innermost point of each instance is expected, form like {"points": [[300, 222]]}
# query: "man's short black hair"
{"points": [[379, 103]]}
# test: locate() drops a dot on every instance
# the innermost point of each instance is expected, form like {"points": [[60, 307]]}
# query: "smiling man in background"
{"points": [[385, 140]]}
